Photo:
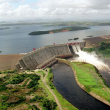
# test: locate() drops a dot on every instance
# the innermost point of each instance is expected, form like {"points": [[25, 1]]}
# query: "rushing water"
{"points": [[65, 83], [16, 39], [92, 58]]}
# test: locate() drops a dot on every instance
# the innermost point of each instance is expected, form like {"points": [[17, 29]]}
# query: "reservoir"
{"points": [[16, 40], [66, 85]]}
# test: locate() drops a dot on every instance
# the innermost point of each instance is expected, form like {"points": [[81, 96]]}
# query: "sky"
{"points": [[54, 10]]}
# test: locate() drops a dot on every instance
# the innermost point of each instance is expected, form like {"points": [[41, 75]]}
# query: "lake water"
{"points": [[16, 39]]}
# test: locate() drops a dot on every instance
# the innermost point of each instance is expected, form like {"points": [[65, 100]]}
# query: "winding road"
{"points": [[44, 81]]}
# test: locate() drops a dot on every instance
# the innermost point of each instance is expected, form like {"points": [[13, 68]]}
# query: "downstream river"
{"points": [[16, 39], [65, 83]]}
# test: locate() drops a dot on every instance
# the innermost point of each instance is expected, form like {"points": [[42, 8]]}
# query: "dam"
{"points": [[46, 56]]}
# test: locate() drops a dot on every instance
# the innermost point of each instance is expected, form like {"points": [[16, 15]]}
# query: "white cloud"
{"points": [[5, 8], [3, 1], [55, 9]]}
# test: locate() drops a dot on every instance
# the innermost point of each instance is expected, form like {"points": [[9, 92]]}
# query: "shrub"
{"points": [[17, 79], [21, 99], [24, 84], [3, 106], [32, 83], [3, 87], [4, 98], [35, 107], [37, 98], [49, 104]]}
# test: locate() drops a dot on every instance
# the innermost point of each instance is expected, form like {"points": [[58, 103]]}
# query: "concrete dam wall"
{"points": [[45, 56]]}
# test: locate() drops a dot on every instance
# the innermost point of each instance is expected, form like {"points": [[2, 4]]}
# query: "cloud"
{"points": [[4, 1], [74, 6], [55, 9], [5, 8]]}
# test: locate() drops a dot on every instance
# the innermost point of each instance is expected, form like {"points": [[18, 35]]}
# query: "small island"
{"points": [[76, 38], [64, 29], [90, 36], [4, 28], [73, 39]]}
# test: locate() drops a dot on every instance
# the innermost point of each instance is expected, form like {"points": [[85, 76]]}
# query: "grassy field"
{"points": [[88, 76]]}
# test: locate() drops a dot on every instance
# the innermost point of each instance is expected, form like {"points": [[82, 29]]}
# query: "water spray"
{"points": [[91, 58]]}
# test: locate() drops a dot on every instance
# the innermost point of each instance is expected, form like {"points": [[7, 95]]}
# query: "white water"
{"points": [[74, 48], [78, 48], [91, 58]]}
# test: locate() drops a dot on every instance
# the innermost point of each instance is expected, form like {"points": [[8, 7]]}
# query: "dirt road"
{"points": [[44, 81]]}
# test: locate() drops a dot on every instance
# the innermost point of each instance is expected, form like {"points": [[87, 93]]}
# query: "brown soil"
{"points": [[37, 104], [19, 107], [12, 99], [28, 97], [24, 82], [94, 41], [11, 86], [9, 61]]}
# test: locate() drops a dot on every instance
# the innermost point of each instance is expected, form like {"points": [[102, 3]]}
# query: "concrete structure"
{"points": [[46, 56]]}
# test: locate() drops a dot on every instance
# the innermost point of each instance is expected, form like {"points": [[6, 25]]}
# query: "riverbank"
{"points": [[88, 79], [63, 102]]}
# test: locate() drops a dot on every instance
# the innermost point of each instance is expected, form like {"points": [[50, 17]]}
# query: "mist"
{"points": [[91, 58]]}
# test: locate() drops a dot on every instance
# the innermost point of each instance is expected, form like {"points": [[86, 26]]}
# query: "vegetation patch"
{"points": [[12, 93], [37, 98], [8, 71], [28, 91], [49, 79], [88, 76], [24, 84], [102, 50], [49, 104], [41, 73]]}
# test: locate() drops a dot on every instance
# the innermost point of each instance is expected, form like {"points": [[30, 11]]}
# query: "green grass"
{"points": [[46, 91], [41, 73], [88, 76], [3, 106]]}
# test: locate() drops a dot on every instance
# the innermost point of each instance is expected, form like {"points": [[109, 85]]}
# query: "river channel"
{"points": [[65, 83]]}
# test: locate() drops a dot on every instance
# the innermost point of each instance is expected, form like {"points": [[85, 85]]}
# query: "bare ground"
{"points": [[9, 61]]}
